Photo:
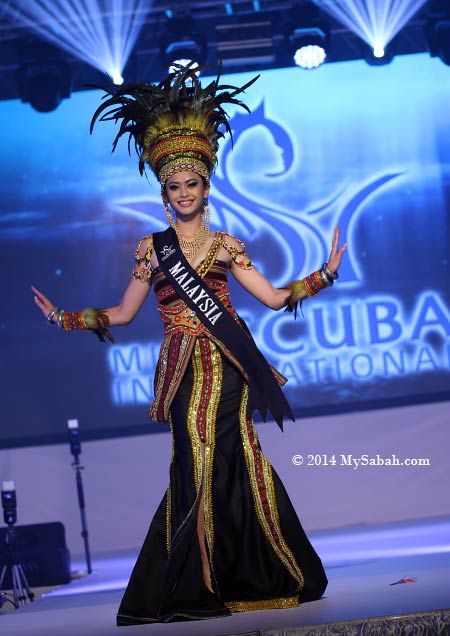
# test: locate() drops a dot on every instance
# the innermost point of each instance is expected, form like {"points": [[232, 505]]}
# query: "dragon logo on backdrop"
{"points": [[345, 345]]}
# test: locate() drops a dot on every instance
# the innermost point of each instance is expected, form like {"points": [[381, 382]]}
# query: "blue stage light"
{"points": [[117, 78], [378, 49], [378, 56], [376, 22], [308, 47], [310, 56], [98, 32]]}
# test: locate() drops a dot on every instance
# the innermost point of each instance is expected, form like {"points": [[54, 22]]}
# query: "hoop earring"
{"points": [[205, 214]]}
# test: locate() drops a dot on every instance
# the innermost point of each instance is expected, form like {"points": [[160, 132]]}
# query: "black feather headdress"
{"points": [[176, 124]]}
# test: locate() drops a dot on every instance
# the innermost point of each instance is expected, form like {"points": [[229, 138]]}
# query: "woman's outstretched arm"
{"points": [[98, 320], [260, 287], [121, 314]]}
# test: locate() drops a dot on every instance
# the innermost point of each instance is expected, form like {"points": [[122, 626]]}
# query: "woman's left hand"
{"points": [[335, 258]]}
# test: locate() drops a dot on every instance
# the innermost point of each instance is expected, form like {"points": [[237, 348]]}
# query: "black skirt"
{"points": [[259, 554]]}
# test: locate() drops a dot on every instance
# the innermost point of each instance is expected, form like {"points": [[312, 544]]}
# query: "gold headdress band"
{"points": [[176, 124]]}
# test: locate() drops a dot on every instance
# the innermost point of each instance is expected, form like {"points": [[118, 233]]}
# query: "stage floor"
{"points": [[358, 588]]}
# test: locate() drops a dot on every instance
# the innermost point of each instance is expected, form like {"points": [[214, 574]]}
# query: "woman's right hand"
{"points": [[44, 304]]}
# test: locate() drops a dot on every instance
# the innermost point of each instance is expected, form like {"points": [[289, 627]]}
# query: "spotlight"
{"points": [[44, 84], [9, 503], [74, 438], [308, 47], [377, 55], [117, 78], [99, 32], [378, 49], [376, 22], [438, 39]]}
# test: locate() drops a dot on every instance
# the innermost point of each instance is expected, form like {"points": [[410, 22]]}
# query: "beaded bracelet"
{"points": [[73, 320], [308, 286], [88, 320]]}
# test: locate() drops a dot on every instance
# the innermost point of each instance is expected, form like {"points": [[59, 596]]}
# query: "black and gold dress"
{"points": [[259, 555]]}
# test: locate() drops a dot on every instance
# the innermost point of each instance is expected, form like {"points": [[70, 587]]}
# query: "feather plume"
{"points": [[97, 321], [144, 111]]}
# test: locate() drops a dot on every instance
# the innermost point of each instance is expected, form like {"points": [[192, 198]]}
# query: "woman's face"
{"points": [[185, 192]]}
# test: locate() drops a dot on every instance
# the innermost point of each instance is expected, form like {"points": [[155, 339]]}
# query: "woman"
{"points": [[225, 537]]}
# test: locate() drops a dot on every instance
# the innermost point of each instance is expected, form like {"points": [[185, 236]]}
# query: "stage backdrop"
{"points": [[366, 148]]}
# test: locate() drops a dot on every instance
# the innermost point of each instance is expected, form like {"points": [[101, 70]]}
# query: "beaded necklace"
{"points": [[191, 247]]}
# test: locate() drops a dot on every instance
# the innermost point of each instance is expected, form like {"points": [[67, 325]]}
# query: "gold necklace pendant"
{"points": [[190, 248]]}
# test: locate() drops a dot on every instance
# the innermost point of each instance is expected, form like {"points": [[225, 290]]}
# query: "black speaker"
{"points": [[42, 551]]}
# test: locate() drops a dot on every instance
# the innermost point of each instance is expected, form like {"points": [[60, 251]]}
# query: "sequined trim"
{"points": [[180, 164], [215, 364], [194, 406], [173, 359], [178, 148], [168, 519], [135, 620], [186, 142], [313, 283], [201, 424], [210, 370], [211, 256], [230, 357], [184, 318], [263, 490], [240, 257], [169, 496], [143, 268], [272, 603]]}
